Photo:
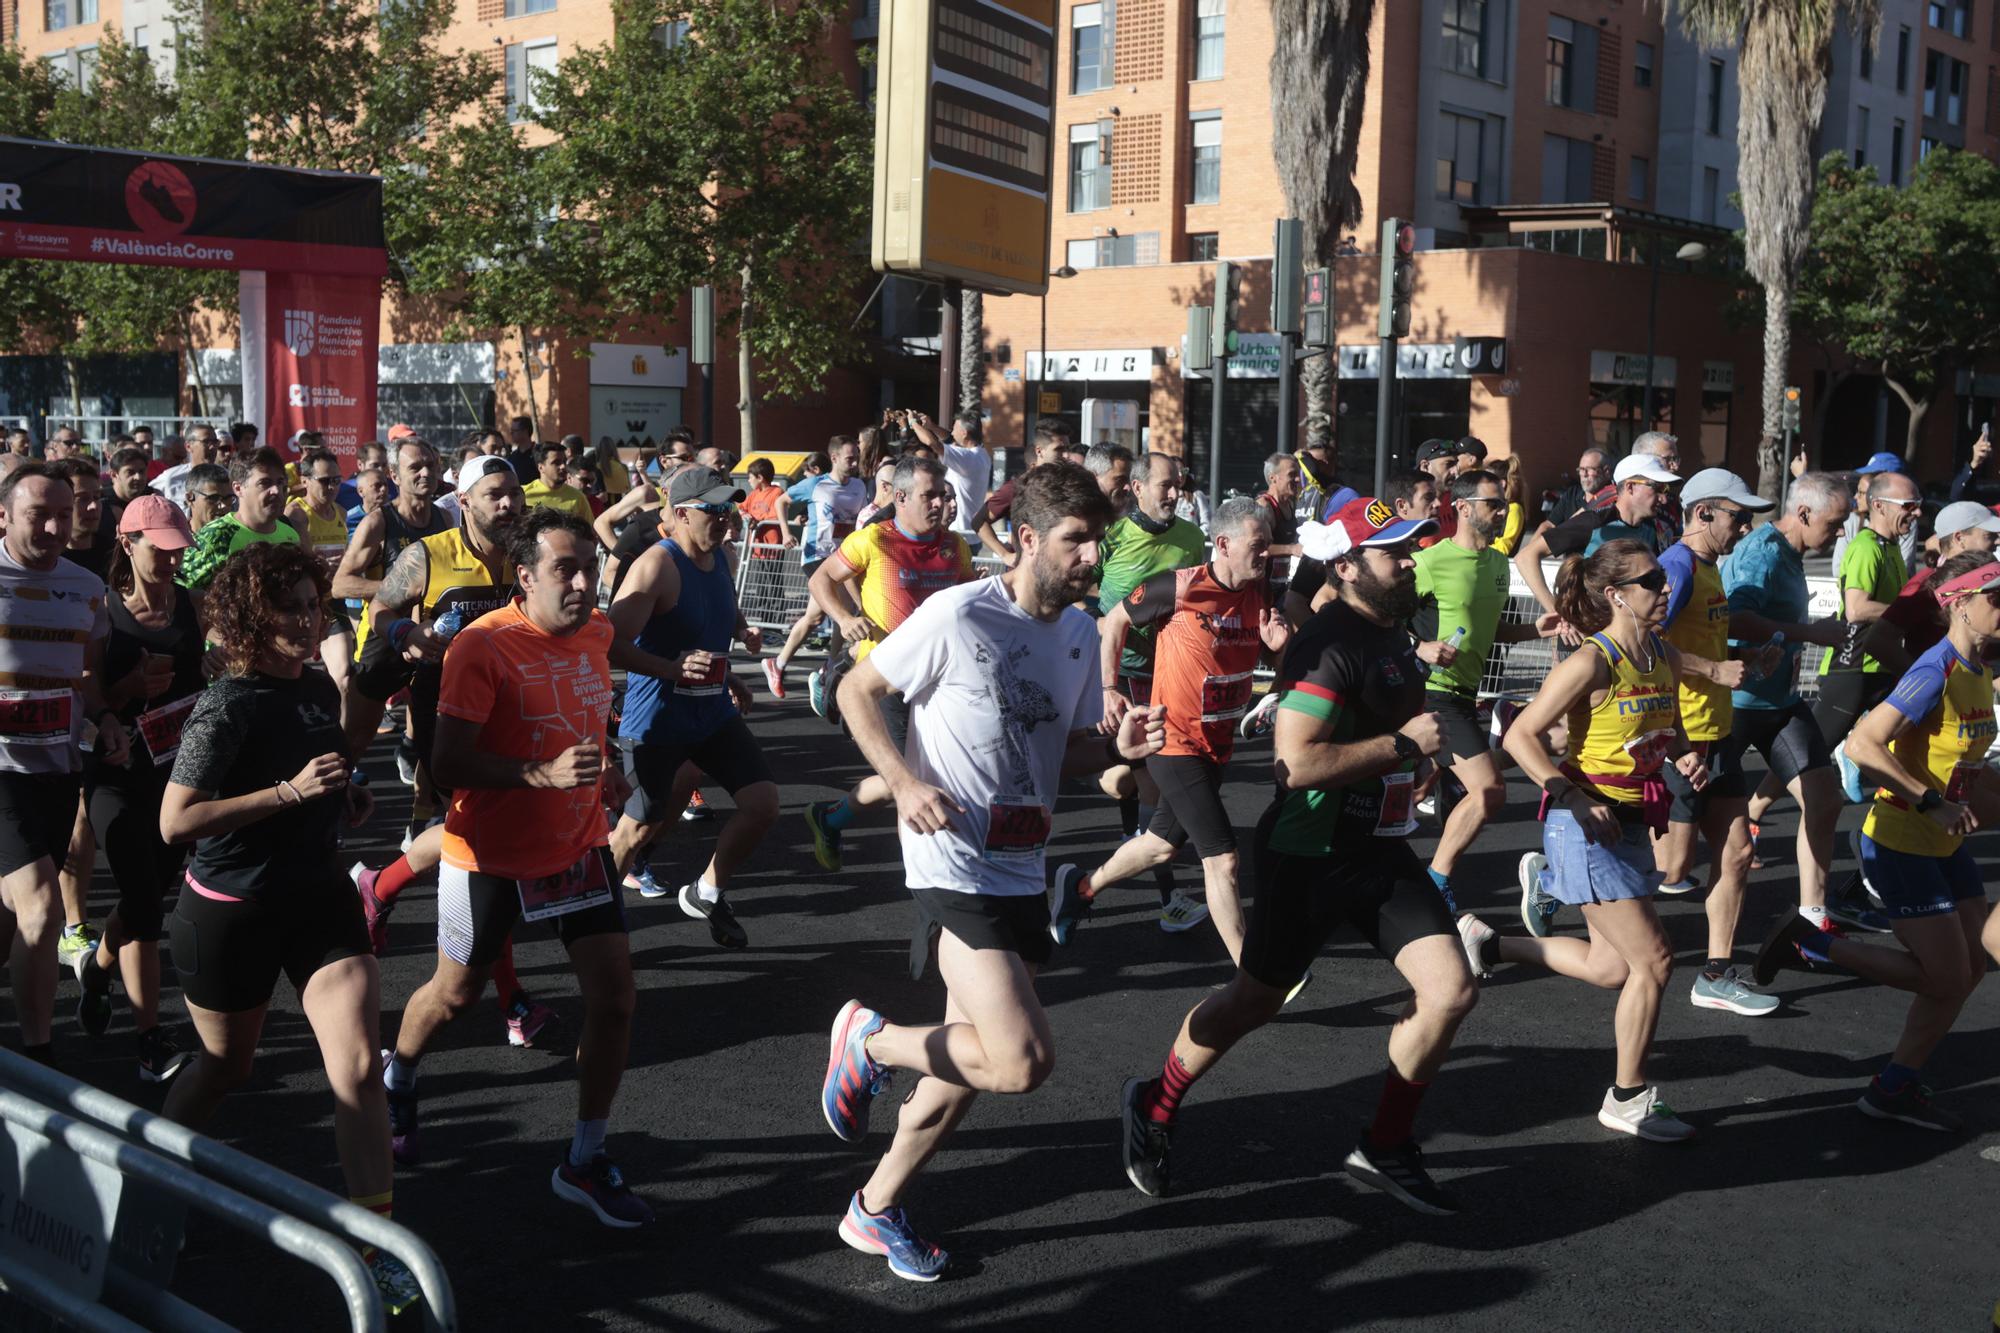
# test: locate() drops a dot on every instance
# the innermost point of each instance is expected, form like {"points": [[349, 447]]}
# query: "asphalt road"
{"points": [[1790, 1211]]}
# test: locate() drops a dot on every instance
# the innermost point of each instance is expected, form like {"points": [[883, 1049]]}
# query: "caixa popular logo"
{"points": [[299, 331]]}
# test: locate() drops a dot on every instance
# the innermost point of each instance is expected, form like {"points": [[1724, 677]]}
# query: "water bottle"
{"points": [[1457, 639], [449, 622], [1777, 641]]}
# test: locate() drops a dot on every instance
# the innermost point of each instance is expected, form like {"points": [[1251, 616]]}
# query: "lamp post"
{"points": [[1692, 252], [1042, 351]]}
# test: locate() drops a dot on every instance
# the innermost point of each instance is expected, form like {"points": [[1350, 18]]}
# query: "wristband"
{"points": [[1559, 789], [400, 630], [1113, 755], [285, 785]]}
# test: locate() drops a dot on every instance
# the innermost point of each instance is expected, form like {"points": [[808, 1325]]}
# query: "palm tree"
{"points": [[1781, 76], [971, 352], [1319, 73]]}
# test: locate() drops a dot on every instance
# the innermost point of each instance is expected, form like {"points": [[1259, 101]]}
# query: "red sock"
{"points": [[1397, 1110], [394, 877], [505, 984], [1162, 1097]]}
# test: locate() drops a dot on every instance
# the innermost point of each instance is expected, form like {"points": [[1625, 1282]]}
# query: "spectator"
{"points": [[1979, 479], [1592, 471]]}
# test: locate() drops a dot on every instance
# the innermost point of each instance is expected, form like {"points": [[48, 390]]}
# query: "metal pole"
{"points": [[1220, 371], [1031, 390], [1385, 410], [1288, 394], [708, 401], [1652, 317], [948, 355]]}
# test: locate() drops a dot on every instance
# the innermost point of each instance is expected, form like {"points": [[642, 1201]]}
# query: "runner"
{"points": [[1963, 525], [1927, 750], [967, 462], [259, 480], [836, 499], [1112, 465], [1002, 679], [1331, 852], [153, 670], [894, 567], [1211, 622], [91, 543], [210, 495], [679, 605], [1618, 694], [260, 786], [521, 743], [1641, 483], [1051, 440], [1439, 460], [318, 517], [550, 485], [1281, 497], [53, 626]]}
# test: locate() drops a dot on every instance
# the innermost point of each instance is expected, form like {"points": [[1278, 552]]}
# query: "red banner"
{"points": [[319, 335]]}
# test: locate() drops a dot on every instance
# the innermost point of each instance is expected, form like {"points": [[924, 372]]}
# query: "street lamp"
{"points": [[1692, 252], [1042, 351]]}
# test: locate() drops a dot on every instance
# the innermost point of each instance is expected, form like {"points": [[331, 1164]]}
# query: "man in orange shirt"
{"points": [[521, 744]]}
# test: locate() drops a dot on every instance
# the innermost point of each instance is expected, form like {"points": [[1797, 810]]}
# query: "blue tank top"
{"points": [[659, 712]]}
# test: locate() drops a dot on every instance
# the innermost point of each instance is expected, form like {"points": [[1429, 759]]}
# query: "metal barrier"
{"points": [[771, 589], [97, 430], [101, 1189]]}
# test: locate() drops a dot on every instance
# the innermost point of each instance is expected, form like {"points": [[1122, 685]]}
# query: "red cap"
{"points": [[156, 518], [1365, 521], [400, 431]]}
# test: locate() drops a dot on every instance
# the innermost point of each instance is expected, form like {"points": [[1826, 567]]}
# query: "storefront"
{"points": [[1061, 383], [1618, 397], [443, 390], [1249, 412], [1433, 401], [635, 392]]}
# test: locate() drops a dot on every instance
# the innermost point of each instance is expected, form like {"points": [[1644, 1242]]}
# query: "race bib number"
{"points": [[1398, 816], [582, 885], [1648, 752], [706, 684], [1225, 698], [1964, 780], [1017, 828], [161, 729], [330, 556], [35, 717]]}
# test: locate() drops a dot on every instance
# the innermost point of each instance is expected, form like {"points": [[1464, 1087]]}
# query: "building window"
{"points": [[1203, 246], [1090, 166], [1460, 156], [1860, 137], [1210, 18], [86, 68], [1465, 37], [1903, 60], [1207, 136], [1896, 153], [1953, 17], [1642, 64], [516, 8], [526, 63], [1566, 165], [1932, 60], [1090, 46], [672, 33], [1636, 179], [1562, 61], [140, 38], [60, 14], [1114, 251], [1717, 71], [1711, 195], [1867, 62]]}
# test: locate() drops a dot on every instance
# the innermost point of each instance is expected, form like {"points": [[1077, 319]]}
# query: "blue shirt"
{"points": [[659, 712], [800, 493], [1766, 577], [1678, 560]]}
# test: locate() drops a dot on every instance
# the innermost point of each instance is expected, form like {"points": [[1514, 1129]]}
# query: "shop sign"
{"points": [[1630, 368], [1718, 377], [1129, 363], [1415, 361]]}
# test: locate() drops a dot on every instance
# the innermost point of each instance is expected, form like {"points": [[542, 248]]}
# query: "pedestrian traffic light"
{"points": [[1317, 306], [1399, 276], [1286, 275], [1791, 417], [1224, 307]]}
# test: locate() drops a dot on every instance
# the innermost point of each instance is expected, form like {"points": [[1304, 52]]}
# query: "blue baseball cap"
{"points": [[1883, 462]]}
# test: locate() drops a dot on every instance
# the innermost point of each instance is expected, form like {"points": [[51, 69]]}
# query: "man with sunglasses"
{"points": [[1877, 465], [679, 604], [1859, 674], [1641, 482]]}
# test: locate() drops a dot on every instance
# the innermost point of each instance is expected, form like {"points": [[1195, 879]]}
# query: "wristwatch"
{"points": [[1932, 799], [1407, 750]]}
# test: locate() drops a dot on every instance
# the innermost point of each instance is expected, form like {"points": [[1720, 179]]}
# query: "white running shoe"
{"points": [[1259, 720], [1181, 912], [1473, 934], [1538, 909], [1645, 1116]]}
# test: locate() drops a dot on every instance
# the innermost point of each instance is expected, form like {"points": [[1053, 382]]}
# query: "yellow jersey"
{"points": [[1698, 623], [566, 498], [1949, 704], [1622, 741], [894, 573]]}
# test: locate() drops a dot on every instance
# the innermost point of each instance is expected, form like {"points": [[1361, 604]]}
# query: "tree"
{"points": [[1319, 75], [971, 350], [1782, 64], [1904, 280]]}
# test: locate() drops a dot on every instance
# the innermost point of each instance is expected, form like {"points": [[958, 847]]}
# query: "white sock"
{"points": [[1816, 915], [587, 1142], [707, 892], [401, 1075]]}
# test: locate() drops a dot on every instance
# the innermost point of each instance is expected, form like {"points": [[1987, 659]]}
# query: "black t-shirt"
{"points": [[96, 557], [1586, 531], [181, 639], [640, 535], [247, 734]]}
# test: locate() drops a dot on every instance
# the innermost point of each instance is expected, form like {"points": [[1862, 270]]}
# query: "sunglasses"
{"points": [[1653, 580], [1733, 516], [1497, 501], [217, 497], [332, 479], [712, 510], [1907, 506]]}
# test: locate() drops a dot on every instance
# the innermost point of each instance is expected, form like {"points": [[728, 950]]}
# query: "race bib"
{"points": [[1398, 816], [161, 729], [1017, 828], [1964, 780], [1225, 698], [35, 717], [582, 885], [1648, 752]]}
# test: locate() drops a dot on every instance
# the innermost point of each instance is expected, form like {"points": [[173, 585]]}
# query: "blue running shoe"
{"points": [[404, 1144], [1067, 907], [888, 1234], [826, 838], [853, 1080], [816, 691], [642, 882], [1850, 775]]}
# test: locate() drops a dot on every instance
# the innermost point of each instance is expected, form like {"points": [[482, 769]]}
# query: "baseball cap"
{"points": [[1431, 450], [479, 468], [1983, 579], [400, 431], [1883, 462], [1641, 467], [1472, 444], [1717, 483], [1364, 521], [160, 521], [694, 485], [1963, 516]]}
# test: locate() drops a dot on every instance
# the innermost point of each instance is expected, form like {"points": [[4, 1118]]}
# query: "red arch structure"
{"points": [[308, 246]]}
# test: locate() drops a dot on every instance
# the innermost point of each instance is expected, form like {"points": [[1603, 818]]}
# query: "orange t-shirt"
{"points": [[533, 695], [761, 508], [1205, 649]]}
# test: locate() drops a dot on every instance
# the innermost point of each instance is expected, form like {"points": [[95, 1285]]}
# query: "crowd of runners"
{"points": [[193, 661]]}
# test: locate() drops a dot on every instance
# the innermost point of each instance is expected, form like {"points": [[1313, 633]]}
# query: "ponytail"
{"points": [[1581, 584]]}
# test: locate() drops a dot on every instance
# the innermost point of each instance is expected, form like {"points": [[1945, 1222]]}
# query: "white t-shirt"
{"points": [[994, 694], [969, 469], [49, 619], [834, 505], [173, 483]]}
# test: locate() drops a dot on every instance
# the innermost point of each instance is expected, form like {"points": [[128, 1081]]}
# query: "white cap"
{"points": [[1963, 516], [479, 469], [1642, 467], [1716, 483]]}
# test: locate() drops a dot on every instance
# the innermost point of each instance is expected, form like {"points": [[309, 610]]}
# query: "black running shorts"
{"points": [[1016, 923], [729, 755], [1190, 805], [1843, 697], [476, 914], [1787, 738], [37, 812], [380, 670], [1725, 782], [229, 954], [1465, 737]]}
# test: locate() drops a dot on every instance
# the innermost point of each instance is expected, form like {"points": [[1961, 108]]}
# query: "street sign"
{"points": [[964, 101]]}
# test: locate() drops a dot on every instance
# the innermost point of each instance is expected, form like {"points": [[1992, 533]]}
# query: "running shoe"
{"points": [[816, 690], [1760, 858], [396, 1283], [774, 676], [1645, 1116], [1850, 775], [1731, 992], [723, 927], [373, 909], [403, 1145], [93, 1007], [1679, 887], [1399, 1173], [1427, 804], [1147, 1145], [391, 723], [1473, 934], [853, 1078], [1850, 909], [526, 1017], [160, 1056], [1067, 907], [1912, 1106], [1181, 912], [1260, 721], [1781, 947], [1505, 710], [601, 1188], [889, 1234], [641, 882], [1538, 908], [826, 839], [1299, 987], [696, 811], [75, 942], [406, 762]]}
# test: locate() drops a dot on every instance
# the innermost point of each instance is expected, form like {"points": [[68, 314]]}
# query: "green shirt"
{"points": [[222, 538], [1876, 568], [1460, 589], [1134, 549]]}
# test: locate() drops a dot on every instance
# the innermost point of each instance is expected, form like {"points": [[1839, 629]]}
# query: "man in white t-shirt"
{"points": [[1001, 676], [202, 447], [968, 466]]}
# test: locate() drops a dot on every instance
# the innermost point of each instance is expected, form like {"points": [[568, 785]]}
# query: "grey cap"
{"points": [[1963, 516], [702, 485], [1717, 483]]}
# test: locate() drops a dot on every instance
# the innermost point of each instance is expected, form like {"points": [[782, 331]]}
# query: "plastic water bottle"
{"points": [[1777, 641], [448, 624], [1457, 639]]}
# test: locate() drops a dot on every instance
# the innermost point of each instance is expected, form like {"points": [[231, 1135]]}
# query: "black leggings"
{"points": [[127, 820]]}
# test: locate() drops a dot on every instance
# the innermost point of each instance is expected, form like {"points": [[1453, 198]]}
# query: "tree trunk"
{"points": [[194, 364], [1316, 379], [1771, 460], [746, 398], [1918, 407], [528, 378], [971, 351]]}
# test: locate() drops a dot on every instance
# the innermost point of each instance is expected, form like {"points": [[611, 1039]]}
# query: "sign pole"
{"points": [[1288, 395], [1220, 373], [948, 335], [1385, 408]]}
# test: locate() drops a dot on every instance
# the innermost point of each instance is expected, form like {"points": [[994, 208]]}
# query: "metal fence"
{"points": [[97, 430], [771, 583]]}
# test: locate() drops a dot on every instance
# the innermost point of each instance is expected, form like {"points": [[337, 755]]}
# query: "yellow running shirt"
{"points": [[1623, 740]]}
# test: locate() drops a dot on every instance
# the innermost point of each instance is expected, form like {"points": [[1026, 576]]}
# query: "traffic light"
{"points": [[1224, 318], [1200, 341], [1318, 306], [1791, 418], [1288, 249], [1399, 276]]}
